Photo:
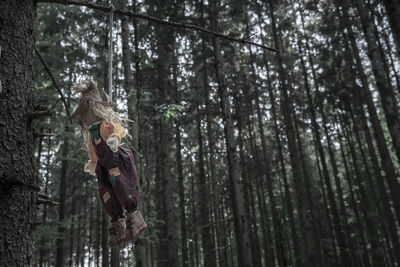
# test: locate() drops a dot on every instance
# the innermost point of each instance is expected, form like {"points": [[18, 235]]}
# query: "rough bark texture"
{"points": [[17, 204]]}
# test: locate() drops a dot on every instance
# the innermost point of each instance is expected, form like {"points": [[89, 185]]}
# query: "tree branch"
{"points": [[157, 20], [39, 114], [47, 69], [45, 199]]}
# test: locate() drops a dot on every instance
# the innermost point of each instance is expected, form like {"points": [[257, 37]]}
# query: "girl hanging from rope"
{"points": [[112, 164]]}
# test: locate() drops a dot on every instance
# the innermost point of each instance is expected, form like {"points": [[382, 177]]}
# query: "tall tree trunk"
{"points": [[180, 171], [17, 206], [365, 94], [63, 197], [240, 114], [393, 12], [266, 159], [204, 220], [43, 251], [104, 238], [97, 232], [213, 179], [288, 198], [240, 216], [312, 246], [388, 99], [133, 110], [163, 83]]}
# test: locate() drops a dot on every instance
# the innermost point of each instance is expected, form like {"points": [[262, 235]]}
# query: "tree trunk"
{"points": [[104, 239], [133, 113], [63, 197], [388, 99], [393, 13], [240, 215], [365, 94], [312, 246], [288, 198], [163, 83], [204, 220], [17, 205]]}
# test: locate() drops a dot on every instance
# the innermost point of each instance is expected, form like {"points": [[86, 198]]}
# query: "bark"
{"points": [[240, 215], [393, 13], [181, 186], [115, 260], [213, 179], [288, 198], [240, 113], [312, 248], [78, 234], [71, 236], [353, 202], [104, 239], [97, 232], [204, 220], [365, 204], [163, 83], [266, 161], [43, 251], [133, 110], [63, 197], [365, 94], [388, 99]]}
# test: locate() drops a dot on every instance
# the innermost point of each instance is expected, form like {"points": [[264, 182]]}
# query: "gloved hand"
{"points": [[112, 143], [90, 168]]}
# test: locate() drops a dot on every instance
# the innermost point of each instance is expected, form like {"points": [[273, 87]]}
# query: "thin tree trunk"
{"points": [[104, 239], [204, 220], [288, 199], [393, 13], [179, 163], [241, 220], [97, 232], [133, 114], [63, 197], [311, 239], [266, 163], [43, 251], [256, 254], [365, 94], [163, 83], [388, 99], [215, 188]]}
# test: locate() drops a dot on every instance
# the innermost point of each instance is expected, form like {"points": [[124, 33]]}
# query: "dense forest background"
{"points": [[246, 157]]}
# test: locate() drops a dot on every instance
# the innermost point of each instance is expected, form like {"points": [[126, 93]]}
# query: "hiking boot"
{"points": [[135, 225], [117, 232]]}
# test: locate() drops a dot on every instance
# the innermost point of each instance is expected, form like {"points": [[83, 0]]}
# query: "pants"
{"points": [[117, 181]]}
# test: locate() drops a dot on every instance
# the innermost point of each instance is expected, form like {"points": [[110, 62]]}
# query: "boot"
{"points": [[117, 232], [135, 225]]}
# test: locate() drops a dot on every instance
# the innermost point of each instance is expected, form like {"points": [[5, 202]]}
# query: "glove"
{"points": [[112, 143], [90, 168]]}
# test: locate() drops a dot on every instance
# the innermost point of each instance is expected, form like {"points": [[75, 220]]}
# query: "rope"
{"points": [[110, 55]]}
